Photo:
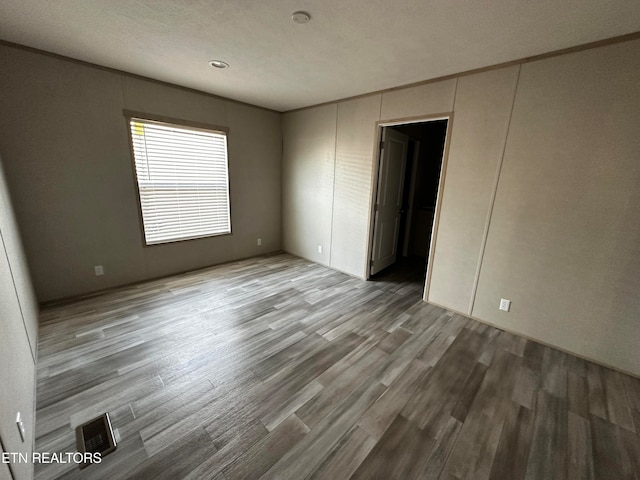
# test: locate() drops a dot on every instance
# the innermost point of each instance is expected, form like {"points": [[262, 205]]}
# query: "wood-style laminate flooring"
{"points": [[278, 368]]}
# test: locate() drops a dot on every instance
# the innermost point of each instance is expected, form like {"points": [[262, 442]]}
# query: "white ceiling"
{"points": [[350, 47]]}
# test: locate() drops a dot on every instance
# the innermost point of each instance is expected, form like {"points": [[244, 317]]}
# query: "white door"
{"points": [[388, 206]]}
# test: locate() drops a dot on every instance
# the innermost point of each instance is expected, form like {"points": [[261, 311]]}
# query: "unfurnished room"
{"points": [[334, 240]]}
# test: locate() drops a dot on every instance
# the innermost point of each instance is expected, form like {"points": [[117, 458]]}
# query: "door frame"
{"points": [[441, 184]]}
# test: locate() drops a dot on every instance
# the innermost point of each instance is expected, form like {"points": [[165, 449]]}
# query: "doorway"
{"points": [[410, 162]]}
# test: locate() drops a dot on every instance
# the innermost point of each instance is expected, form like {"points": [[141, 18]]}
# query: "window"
{"points": [[183, 180]]}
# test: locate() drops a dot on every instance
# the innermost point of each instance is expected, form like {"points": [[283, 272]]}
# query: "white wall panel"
{"points": [[355, 157], [308, 167], [478, 133], [564, 238]]}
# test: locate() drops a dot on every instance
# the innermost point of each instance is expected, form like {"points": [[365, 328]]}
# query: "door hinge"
{"points": [[376, 207], [371, 263], [381, 145]]}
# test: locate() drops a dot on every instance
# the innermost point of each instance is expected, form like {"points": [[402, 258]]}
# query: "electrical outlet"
{"points": [[259, 242], [99, 269], [20, 424], [505, 304], [319, 248]]}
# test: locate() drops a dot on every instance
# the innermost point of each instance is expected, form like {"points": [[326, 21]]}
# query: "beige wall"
{"points": [[65, 144], [18, 339], [355, 140], [539, 204], [478, 132], [308, 167], [428, 99], [564, 237]]}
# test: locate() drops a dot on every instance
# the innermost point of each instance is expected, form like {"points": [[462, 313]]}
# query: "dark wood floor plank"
{"points": [[177, 461], [526, 388], [316, 409], [304, 458], [554, 372], [229, 450], [355, 356], [632, 386], [441, 342], [259, 458], [547, 458], [578, 394], [394, 340], [170, 396], [276, 414], [346, 456], [618, 408], [296, 374], [631, 444], [435, 399], [579, 448], [608, 450], [512, 455], [436, 455], [512, 343], [382, 317], [382, 413], [490, 347], [300, 350], [220, 410], [597, 392], [398, 454], [425, 332], [533, 355], [418, 315], [469, 390], [473, 453], [577, 366]]}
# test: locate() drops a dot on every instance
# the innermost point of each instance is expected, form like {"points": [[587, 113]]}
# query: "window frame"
{"points": [[179, 122]]}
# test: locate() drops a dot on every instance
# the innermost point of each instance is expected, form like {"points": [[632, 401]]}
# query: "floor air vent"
{"points": [[96, 436]]}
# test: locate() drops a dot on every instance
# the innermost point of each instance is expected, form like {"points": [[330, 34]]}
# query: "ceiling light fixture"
{"points": [[218, 64], [300, 17]]}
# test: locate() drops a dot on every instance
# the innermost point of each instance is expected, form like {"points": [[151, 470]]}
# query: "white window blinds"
{"points": [[183, 181]]}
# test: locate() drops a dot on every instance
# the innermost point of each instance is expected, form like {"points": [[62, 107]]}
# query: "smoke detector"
{"points": [[300, 17], [218, 64]]}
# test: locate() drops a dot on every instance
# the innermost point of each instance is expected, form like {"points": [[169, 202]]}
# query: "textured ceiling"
{"points": [[350, 47]]}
